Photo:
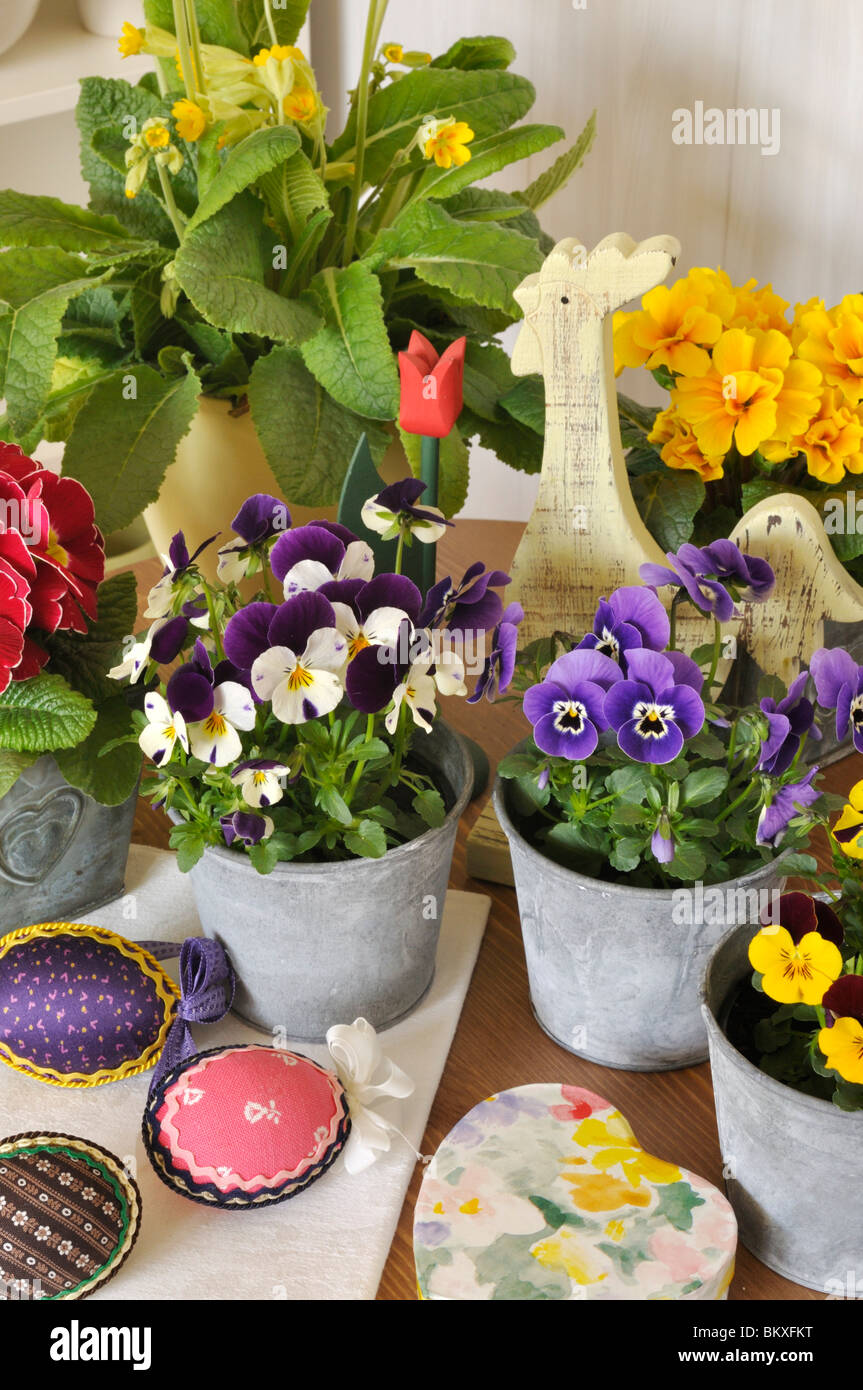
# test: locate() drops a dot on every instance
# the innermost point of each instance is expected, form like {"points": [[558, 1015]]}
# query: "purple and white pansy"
{"points": [[164, 730], [655, 709], [839, 686], [176, 563], [393, 512], [214, 706], [372, 614], [260, 781], [309, 556], [261, 517], [630, 617], [246, 828], [567, 708], [470, 606], [296, 660]]}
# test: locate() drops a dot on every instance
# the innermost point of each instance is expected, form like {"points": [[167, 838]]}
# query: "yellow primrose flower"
{"points": [[672, 329], [756, 307], [792, 973], [842, 1046], [131, 40], [281, 52], [191, 121], [156, 135], [714, 287], [833, 442], [680, 447], [301, 104], [736, 400], [446, 142], [833, 341], [393, 52], [851, 820]]}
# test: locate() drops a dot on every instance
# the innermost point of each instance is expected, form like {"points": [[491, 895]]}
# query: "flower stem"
{"points": [[170, 202], [195, 46], [723, 815], [271, 23], [184, 46], [717, 652], [361, 765], [377, 10], [400, 550]]}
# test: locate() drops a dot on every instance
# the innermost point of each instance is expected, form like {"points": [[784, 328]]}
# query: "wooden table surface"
{"points": [[498, 1043]]}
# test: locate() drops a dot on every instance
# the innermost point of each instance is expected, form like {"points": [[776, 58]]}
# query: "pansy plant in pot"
{"points": [[315, 794], [63, 847], [642, 805]]}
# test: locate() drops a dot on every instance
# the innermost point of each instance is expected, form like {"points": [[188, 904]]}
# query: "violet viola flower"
{"points": [[393, 511], [844, 999], [839, 685], [299, 657], [402, 673], [176, 562], [468, 606], [650, 712], [799, 914], [316, 554], [213, 709], [371, 615], [566, 709], [713, 576], [167, 639], [497, 673], [259, 519], [246, 827], [787, 724], [774, 819], [630, 617]]}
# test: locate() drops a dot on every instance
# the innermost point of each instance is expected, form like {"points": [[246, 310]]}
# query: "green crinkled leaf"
{"points": [[224, 266], [11, 767], [630, 783], [351, 356], [257, 155], [488, 157], [668, 500], [562, 170], [109, 102], [688, 864], [480, 262], [526, 403], [488, 101], [369, 840], [43, 714], [513, 444], [704, 785], [294, 191], [483, 52], [487, 378], [429, 804], [28, 220], [289, 16], [308, 438], [120, 448], [218, 20], [493, 205], [626, 854], [454, 468], [84, 659], [110, 779]]}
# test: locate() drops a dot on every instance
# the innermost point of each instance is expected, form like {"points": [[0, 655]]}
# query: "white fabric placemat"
{"points": [[330, 1242]]}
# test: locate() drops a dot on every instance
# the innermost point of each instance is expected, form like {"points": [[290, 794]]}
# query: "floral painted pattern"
{"points": [[543, 1192]]}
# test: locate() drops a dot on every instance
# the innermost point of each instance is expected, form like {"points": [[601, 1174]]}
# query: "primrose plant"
{"points": [[636, 766], [286, 732]]}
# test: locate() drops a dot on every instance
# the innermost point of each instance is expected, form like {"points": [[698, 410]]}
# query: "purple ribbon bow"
{"points": [[207, 984]]}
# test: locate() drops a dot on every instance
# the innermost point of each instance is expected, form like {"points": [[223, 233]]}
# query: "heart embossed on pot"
{"points": [[34, 838]]}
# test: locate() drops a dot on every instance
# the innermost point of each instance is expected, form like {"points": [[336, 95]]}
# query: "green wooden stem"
{"points": [[430, 474]]}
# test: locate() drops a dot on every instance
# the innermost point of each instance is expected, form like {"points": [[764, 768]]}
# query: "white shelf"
{"points": [[40, 75]]}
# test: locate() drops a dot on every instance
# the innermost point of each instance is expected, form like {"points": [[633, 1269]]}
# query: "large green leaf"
{"points": [[668, 500], [36, 285], [109, 102], [217, 19], [488, 157], [488, 101], [486, 51], [112, 778], [294, 192], [224, 265], [526, 403], [27, 220], [307, 437], [351, 355], [481, 262], [493, 205], [487, 377], [561, 170], [512, 443], [84, 659], [454, 468], [43, 714], [260, 152], [289, 16], [11, 767], [121, 443]]}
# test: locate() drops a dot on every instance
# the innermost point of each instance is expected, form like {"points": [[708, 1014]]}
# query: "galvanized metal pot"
{"points": [[793, 1163], [319, 944], [614, 976], [61, 853]]}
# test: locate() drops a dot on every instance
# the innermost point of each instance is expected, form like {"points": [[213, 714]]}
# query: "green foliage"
{"points": [[668, 502], [562, 170], [43, 714]]}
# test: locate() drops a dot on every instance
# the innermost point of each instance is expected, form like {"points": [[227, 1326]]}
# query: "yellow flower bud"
{"points": [[393, 52], [190, 120], [131, 40]]}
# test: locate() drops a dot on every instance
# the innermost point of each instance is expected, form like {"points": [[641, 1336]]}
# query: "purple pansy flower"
{"points": [[213, 705], [566, 709], [316, 554], [371, 614], [246, 827], [394, 510], [774, 819], [169, 640], [707, 573], [839, 684], [298, 668], [499, 665], [468, 606], [260, 517], [654, 710], [630, 617], [176, 562], [787, 723]]}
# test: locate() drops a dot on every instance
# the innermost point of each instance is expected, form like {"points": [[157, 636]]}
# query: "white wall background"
{"points": [[794, 218]]}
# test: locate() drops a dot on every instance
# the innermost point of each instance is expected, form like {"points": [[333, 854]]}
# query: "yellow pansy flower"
{"points": [[301, 104], [850, 821], [792, 973], [833, 441], [446, 142], [393, 52], [680, 449], [131, 40], [832, 339], [190, 120], [842, 1046], [736, 400], [672, 329]]}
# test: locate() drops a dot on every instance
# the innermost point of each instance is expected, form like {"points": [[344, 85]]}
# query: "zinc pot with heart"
{"points": [[65, 808]]}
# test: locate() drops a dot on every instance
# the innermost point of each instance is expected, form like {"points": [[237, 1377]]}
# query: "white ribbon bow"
{"points": [[368, 1077]]}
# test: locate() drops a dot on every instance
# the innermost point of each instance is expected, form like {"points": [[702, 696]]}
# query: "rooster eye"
{"points": [[564, 299]]}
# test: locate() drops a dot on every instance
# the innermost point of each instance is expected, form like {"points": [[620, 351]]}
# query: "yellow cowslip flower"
{"points": [[280, 52], [716, 290], [832, 339], [849, 827], [842, 1046], [446, 142], [833, 441], [672, 329], [759, 307], [301, 104], [736, 400], [157, 137], [131, 40], [792, 973], [680, 447], [393, 52], [190, 120]]}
